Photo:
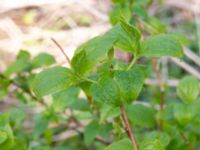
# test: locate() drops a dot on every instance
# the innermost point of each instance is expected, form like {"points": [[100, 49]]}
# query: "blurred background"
{"points": [[29, 24]]}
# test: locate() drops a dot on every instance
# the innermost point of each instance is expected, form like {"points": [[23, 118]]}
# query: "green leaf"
{"points": [[126, 36], [141, 115], [43, 59], [4, 119], [96, 50], [3, 136], [108, 111], [154, 26], [195, 106], [182, 38], [157, 135], [48, 136], [65, 98], [40, 124], [151, 145], [106, 91], [118, 1], [188, 89], [119, 11], [91, 131], [91, 53], [7, 140], [144, 2], [130, 83], [161, 45], [184, 113], [133, 33], [20, 64], [23, 54], [124, 144], [17, 115], [4, 82], [81, 105], [53, 80], [2, 94], [139, 10]]}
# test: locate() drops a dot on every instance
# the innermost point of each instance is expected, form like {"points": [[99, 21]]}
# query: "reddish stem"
{"points": [[158, 76], [128, 127]]}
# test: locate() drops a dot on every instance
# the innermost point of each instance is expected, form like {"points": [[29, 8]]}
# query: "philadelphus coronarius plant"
{"points": [[101, 102]]}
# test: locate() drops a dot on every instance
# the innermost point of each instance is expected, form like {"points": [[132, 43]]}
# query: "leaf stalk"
{"points": [[132, 62]]}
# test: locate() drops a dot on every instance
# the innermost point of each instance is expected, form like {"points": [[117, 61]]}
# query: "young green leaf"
{"points": [[181, 37], [154, 26], [141, 115], [3, 136], [188, 89], [2, 94], [133, 33], [161, 45], [23, 54], [124, 144], [80, 105], [91, 53], [91, 131], [106, 91], [151, 145], [65, 98], [157, 135], [53, 80], [183, 113], [43, 59], [144, 2], [118, 1], [97, 49], [139, 10], [40, 124], [119, 11], [17, 115], [130, 83], [20, 64], [6, 133], [108, 111], [126, 36], [186, 113]]}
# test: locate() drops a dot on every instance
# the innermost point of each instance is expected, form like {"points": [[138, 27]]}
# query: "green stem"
{"points": [[132, 62], [87, 79], [27, 91]]}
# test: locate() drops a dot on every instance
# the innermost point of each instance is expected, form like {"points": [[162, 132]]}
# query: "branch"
{"points": [[24, 90], [186, 67], [172, 83], [192, 56], [128, 128], [100, 139], [162, 101], [74, 131], [61, 49]]}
